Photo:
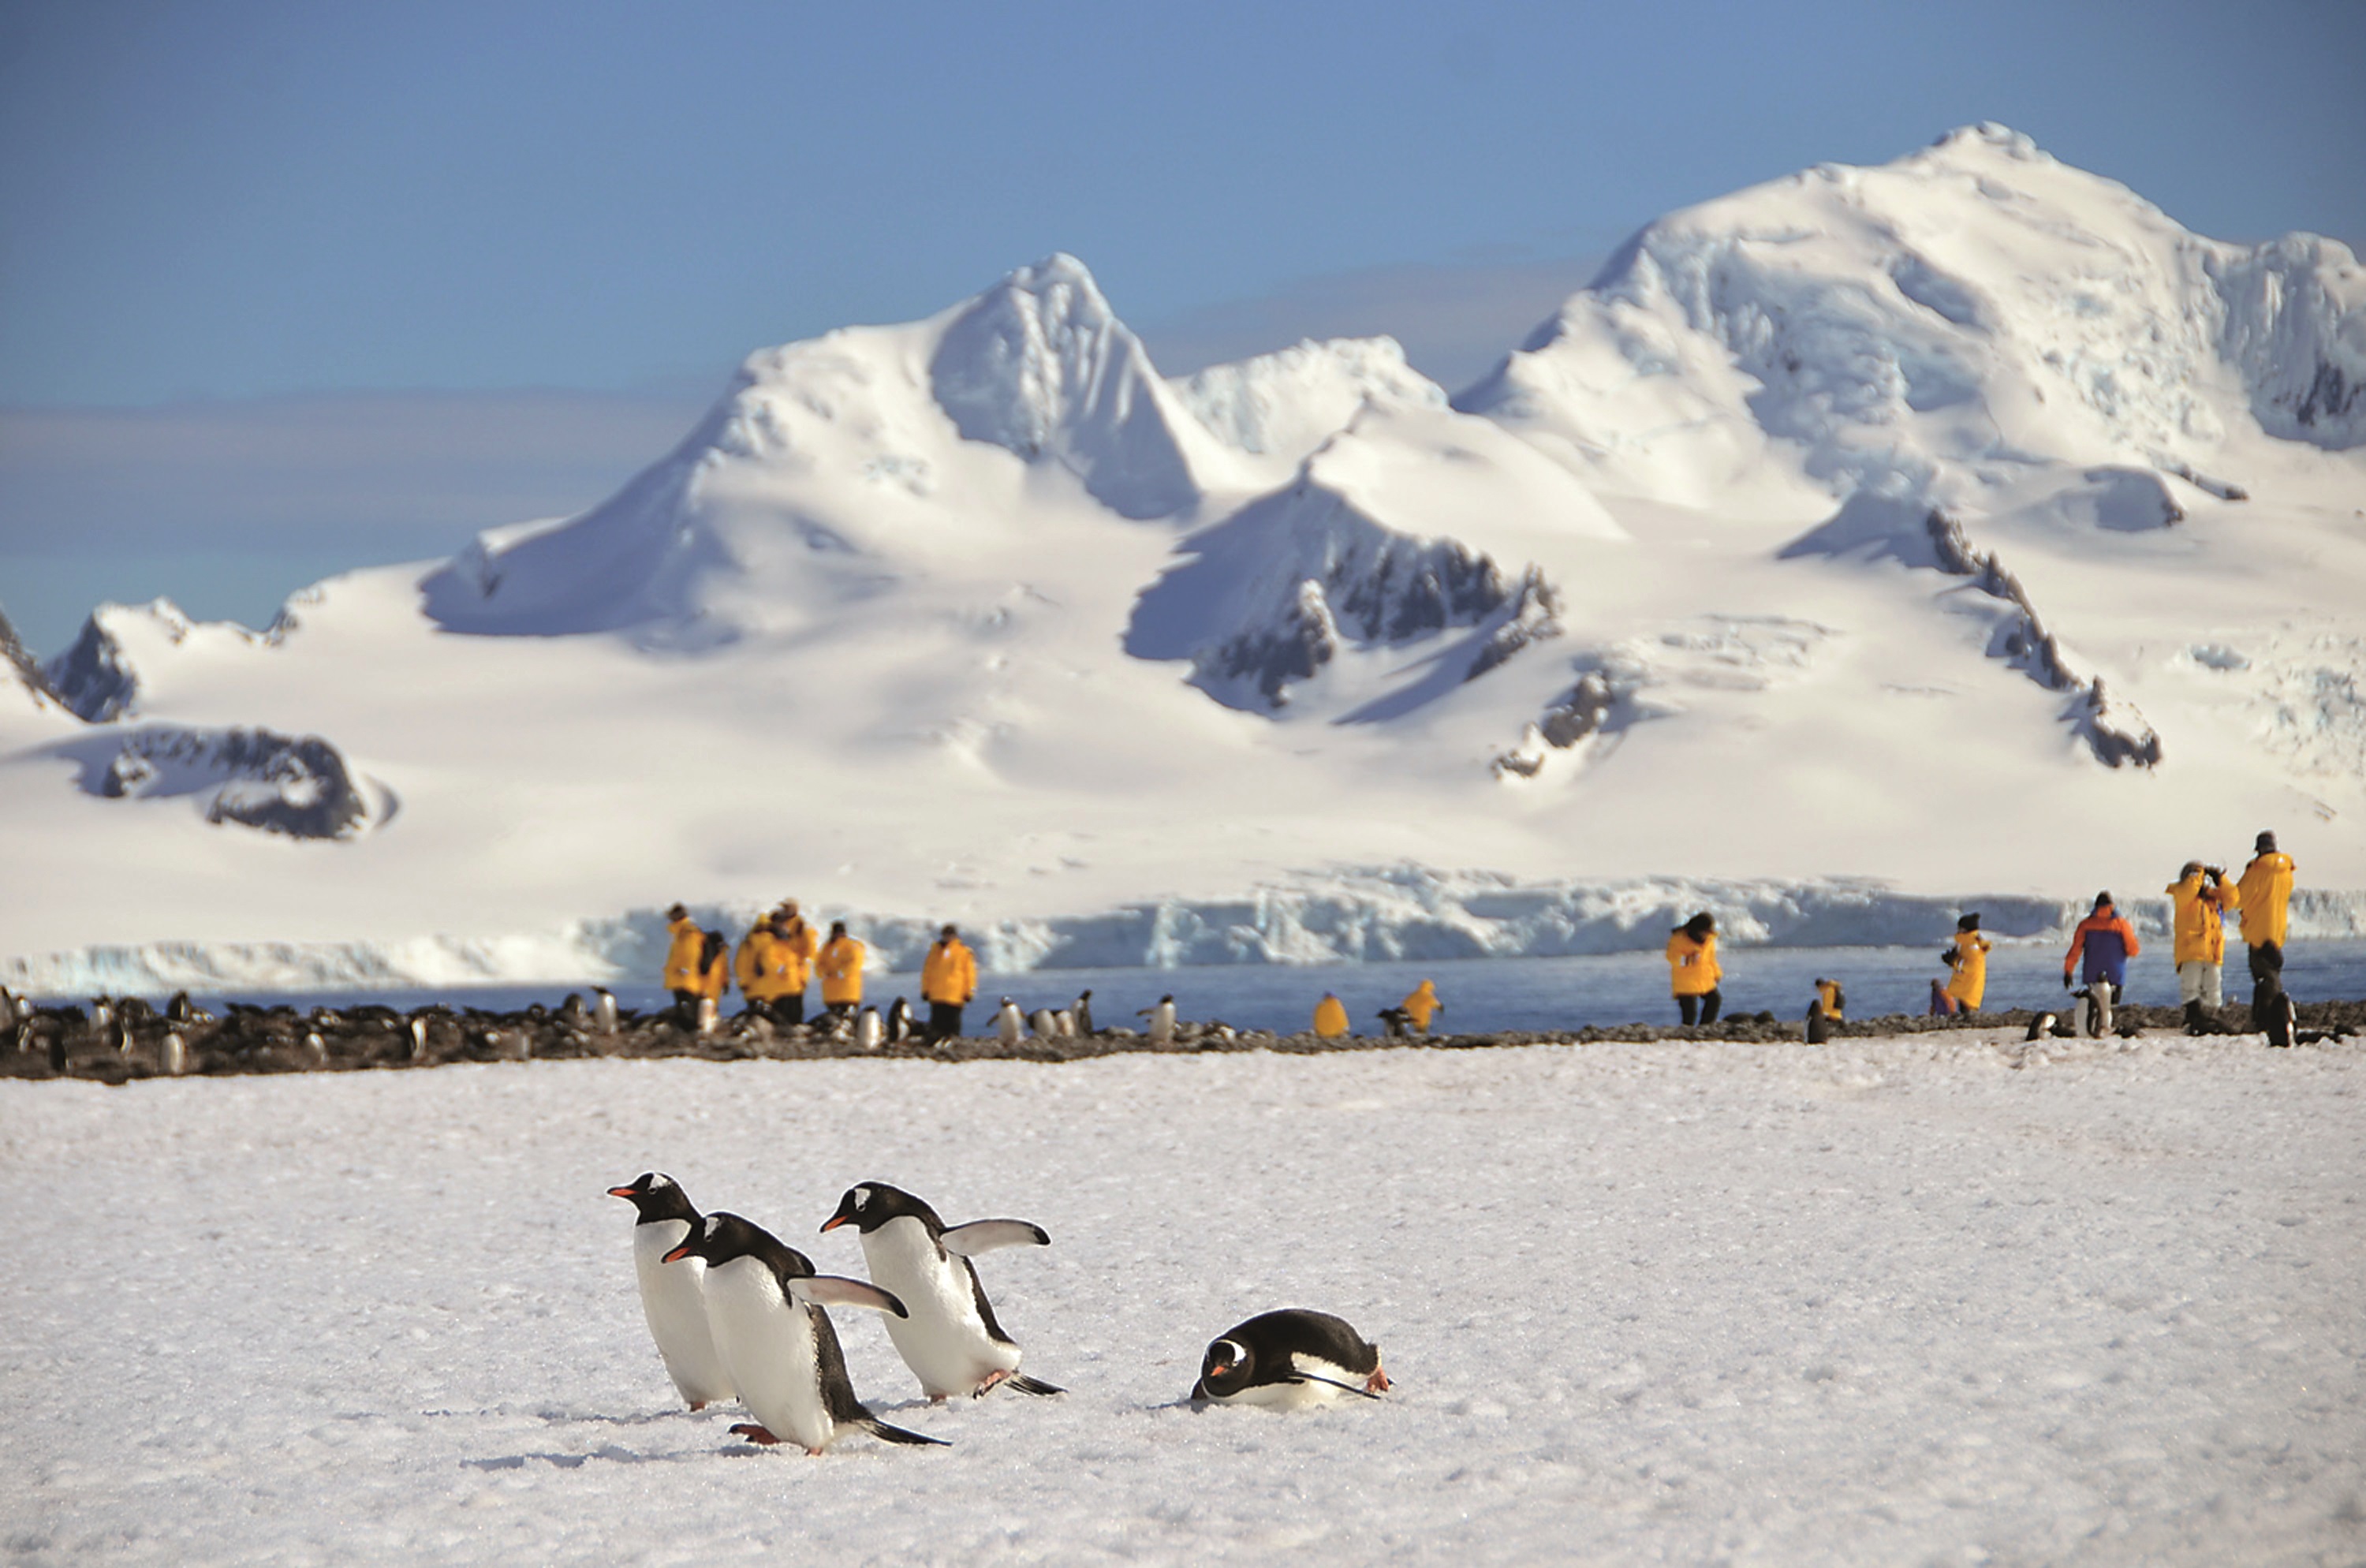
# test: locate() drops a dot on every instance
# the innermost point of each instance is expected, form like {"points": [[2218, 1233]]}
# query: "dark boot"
{"points": [[2193, 1024]]}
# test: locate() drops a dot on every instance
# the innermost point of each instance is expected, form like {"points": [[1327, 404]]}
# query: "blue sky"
{"points": [[291, 287]]}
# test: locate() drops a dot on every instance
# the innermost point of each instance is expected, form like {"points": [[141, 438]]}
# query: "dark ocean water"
{"points": [[1491, 994]]}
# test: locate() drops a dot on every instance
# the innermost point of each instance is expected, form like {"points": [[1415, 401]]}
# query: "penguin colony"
{"points": [[129, 1039], [737, 1313]]}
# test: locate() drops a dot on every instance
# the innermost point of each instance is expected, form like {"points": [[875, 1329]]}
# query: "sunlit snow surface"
{"points": [[1886, 1302]]}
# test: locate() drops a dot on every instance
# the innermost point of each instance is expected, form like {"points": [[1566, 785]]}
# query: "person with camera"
{"points": [[2202, 896]]}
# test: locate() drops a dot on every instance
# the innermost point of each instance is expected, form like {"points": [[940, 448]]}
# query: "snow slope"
{"points": [[1962, 525], [1887, 1302]]}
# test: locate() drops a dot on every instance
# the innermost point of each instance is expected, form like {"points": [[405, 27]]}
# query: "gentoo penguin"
{"points": [[603, 1010], [868, 1031], [1046, 1024], [1162, 1020], [1819, 1028], [899, 1019], [1008, 1026], [706, 1015], [2040, 1027], [173, 1056], [419, 1040], [1291, 1360], [951, 1340], [764, 1308], [670, 1296], [1081, 1013]]}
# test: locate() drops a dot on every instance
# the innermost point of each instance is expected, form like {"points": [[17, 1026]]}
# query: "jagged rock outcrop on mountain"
{"points": [[297, 785]]}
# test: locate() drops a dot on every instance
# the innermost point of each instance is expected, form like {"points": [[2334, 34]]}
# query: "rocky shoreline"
{"points": [[118, 1041]]}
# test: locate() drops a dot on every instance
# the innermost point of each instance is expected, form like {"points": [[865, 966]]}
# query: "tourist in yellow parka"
{"points": [[1330, 1017], [681, 965], [1693, 971], [1421, 1006], [948, 981], [840, 963], [771, 974], [2202, 896], [2266, 894], [1969, 959]]}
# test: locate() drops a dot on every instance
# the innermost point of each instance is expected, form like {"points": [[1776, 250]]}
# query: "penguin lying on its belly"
{"points": [[765, 1306], [1291, 1360], [950, 1340]]}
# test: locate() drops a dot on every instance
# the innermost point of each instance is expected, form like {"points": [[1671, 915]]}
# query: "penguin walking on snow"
{"points": [[1291, 1360], [669, 1295], [764, 1309], [1162, 1020], [951, 1339]]}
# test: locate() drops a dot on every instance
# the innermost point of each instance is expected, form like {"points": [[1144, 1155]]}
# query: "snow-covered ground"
{"points": [[1940, 1300]]}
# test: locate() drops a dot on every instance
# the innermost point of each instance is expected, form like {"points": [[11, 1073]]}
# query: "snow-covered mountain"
{"points": [[1963, 523]]}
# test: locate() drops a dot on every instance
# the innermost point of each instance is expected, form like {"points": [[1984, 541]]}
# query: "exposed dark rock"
{"points": [[93, 678]]}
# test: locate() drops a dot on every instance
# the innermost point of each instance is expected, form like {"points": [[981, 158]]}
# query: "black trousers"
{"points": [[787, 1010], [2268, 966], [1701, 1009], [945, 1021]]}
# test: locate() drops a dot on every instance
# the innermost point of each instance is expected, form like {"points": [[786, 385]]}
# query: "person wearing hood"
{"points": [[840, 965], [1693, 971], [2265, 895], [2105, 943], [1969, 959], [2202, 896], [771, 974], [948, 982], [1421, 1007], [684, 974]]}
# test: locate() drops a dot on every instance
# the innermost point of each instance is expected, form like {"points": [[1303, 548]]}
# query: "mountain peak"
{"points": [[1040, 366]]}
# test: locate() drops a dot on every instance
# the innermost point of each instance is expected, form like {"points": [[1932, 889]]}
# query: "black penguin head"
{"points": [[874, 1204], [657, 1197], [1226, 1368], [725, 1236]]}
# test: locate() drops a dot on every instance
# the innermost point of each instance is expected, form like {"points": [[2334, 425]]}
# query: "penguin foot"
{"points": [[1378, 1381], [696, 1405], [993, 1380], [759, 1435]]}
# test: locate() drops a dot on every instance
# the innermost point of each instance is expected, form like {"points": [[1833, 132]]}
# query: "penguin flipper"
{"points": [[836, 1289], [1026, 1384], [886, 1434], [985, 1236], [1334, 1382]]}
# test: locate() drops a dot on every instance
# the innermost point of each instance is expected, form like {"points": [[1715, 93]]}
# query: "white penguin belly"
{"points": [[1301, 1396], [767, 1345], [676, 1309], [944, 1340]]}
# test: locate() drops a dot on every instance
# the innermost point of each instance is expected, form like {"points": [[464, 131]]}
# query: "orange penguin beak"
{"points": [[677, 1255]]}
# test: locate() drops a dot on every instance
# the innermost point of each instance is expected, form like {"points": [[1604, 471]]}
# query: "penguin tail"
{"points": [[1026, 1384], [886, 1434]]}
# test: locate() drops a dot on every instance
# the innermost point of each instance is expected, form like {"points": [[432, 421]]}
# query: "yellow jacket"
{"points": [[2265, 891], [800, 942], [1331, 1018], [717, 981], [1971, 978], [1692, 965], [840, 966], [1421, 1006], [948, 974], [1829, 996], [2200, 920], [681, 954], [768, 968]]}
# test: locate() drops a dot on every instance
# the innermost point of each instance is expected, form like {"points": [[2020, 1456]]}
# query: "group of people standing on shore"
{"points": [[780, 957], [2202, 896]]}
